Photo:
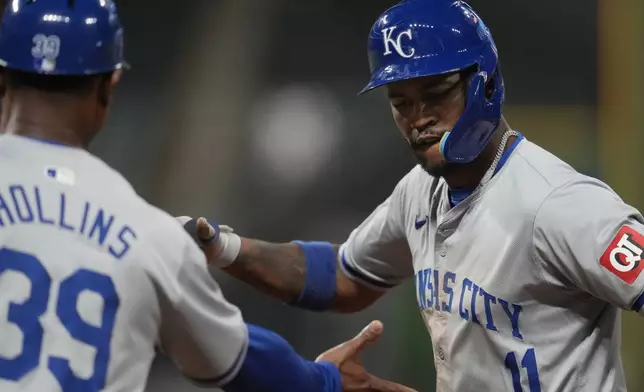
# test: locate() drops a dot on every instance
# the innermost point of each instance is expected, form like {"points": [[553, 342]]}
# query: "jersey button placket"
{"points": [[441, 235], [441, 249]]}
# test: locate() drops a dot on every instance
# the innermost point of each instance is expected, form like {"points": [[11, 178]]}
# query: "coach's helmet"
{"points": [[61, 37], [418, 38]]}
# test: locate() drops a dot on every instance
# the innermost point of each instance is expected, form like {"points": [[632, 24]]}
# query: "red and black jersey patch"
{"points": [[623, 257]]}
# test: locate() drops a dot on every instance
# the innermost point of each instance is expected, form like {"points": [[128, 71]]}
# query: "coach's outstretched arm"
{"points": [[318, 275]]}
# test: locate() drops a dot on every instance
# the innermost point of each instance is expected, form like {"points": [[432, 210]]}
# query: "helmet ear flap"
{"points": [[497, 94], [476, 89], [490, 88], [479, 119], [495, 85]]}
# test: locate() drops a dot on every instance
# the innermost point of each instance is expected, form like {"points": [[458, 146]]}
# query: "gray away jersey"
{"points": [[521, 284], [92, 278]]}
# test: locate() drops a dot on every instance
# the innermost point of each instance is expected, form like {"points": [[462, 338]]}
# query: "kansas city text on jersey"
{"points": [[30, 205], [467, 299]]}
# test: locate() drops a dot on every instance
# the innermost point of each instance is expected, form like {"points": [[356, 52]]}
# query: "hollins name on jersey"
{"points": [[21, 204]]}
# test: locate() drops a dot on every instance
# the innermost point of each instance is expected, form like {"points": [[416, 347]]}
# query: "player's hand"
{"points": [[354, 375], [219, 243]]}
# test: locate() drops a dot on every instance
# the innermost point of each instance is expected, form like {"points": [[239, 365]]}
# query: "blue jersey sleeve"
{"points": [[271, 364]]}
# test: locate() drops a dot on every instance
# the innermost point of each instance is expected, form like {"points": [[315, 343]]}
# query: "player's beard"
{"points": [[434, 169], [434, 163], [429, 157]]}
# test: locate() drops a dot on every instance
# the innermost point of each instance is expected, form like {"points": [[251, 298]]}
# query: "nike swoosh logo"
{"points": [[419, 223]]}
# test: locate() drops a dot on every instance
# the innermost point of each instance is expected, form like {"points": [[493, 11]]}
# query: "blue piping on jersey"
{"points": [[47, 141], [458, 195], [639, 303], [508, 152], [354, 273]]}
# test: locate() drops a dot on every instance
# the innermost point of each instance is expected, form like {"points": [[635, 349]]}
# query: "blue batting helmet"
{"points": [[61, 37], [418, 38]]}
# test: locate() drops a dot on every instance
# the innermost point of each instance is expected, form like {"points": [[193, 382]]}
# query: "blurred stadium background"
{"points": [[245, 111]]}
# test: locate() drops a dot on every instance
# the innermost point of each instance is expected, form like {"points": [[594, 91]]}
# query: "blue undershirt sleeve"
{"points": [[271, 364]]}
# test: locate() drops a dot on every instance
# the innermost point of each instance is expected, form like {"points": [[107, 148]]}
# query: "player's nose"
{"points": [[424, 121]]}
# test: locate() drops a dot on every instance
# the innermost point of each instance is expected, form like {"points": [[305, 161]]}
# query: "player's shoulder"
{"points": [[163, 225], [109, 178], [581, 198], [543, 168], [564, 194], [553, 175], [161, 230], [73, 167]]}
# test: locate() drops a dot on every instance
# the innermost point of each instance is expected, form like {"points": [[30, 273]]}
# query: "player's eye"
{"points": [[399, 103], [437, 95]]}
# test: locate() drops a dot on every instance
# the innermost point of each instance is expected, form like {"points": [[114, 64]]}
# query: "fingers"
{"points": [[347, 350], [200, 230], [368, 335], [379, 385], [205, 231]]}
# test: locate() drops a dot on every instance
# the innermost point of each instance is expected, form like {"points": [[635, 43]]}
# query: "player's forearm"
{"points": [[303, 275], [278, 270]]}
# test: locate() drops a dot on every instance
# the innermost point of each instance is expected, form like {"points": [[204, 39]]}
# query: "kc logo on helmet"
{"points": [[623, 257], [397, 42]]}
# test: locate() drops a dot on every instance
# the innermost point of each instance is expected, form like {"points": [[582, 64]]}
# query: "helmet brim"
{"points": [[424, 66]]}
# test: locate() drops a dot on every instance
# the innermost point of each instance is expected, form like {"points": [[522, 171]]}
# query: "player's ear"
{"points": [[106, 86], [116, 77]]}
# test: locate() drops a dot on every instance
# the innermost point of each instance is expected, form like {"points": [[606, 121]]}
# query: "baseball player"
{"points": [[93, 278], [521, 264]]}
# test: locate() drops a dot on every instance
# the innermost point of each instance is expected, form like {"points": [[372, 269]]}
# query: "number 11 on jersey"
{"points": [[529, 362]]}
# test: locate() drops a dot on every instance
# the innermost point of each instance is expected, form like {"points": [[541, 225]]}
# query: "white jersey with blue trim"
{"points": [[521, 284], [93, 278]]}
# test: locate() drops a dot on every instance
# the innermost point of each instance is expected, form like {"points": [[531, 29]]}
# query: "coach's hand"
{"points": [[354, 375], [219, 243]]}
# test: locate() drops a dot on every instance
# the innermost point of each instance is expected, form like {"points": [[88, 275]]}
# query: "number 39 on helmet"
{"points": [[61, 37]]}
